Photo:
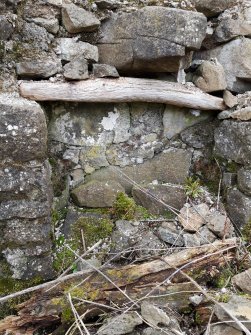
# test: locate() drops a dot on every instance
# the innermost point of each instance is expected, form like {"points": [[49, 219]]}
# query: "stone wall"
{"points": [[96, 150]]}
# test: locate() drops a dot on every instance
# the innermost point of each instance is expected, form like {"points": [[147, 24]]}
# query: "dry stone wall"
{"points": [[96, 150]]}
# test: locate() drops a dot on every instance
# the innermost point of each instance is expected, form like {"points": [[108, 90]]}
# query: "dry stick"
{"points": [[102, 274], [77, 317]]}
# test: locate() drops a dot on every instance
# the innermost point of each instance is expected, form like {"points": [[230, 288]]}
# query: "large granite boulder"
{"points": [[235, 57], [152, 39]]}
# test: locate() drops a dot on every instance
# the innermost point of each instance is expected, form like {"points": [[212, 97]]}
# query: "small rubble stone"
{"points": [[154, 315], [219, 224], [69, 48], [77, 69], [230, 99], [232, 23], [213, 7], [171, 237], [107, 4], [192, 218], [104, 70], [205, 236], [242, 114], [124, 236], [121, 324], [234, 56], [237, 306], [77, 19], [191, 240], [51, 25], [244, 180], [242, 281], [41, 68], [96, 194], [196, 299], [210, 76]]}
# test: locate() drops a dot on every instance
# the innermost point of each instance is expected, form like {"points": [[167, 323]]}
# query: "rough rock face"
{"points": [[233, 141], [153, 39], [213, 7], [25, 192], [235, 57]]}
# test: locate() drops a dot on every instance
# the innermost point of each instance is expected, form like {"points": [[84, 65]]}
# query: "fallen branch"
{"points": [[122, 90], [141, 281]]}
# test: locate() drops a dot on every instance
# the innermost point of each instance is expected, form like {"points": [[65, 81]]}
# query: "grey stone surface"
{"points": [[237, 306], [175, 238], [213, 7], [18, 231], [96, 194], [242, 281], [6, 28], [50, 24], [171, 166], [124, 236], [104, 70], [41, 68], [200, 135], [238, 207], [35, 37], [121, 324], [210, 76], [219, 224], [77, 19], [191, 240], [28, 263], [23, 209], [244, 180], [235, 58], [229, 99], [205, 235], [69, 48], [23, 134], [233, 141], [77, 69], [137, 41], [154, 315], [233, 22], [159, 198], [93, 158], [176, 119], [24, 182], [192, 218]]}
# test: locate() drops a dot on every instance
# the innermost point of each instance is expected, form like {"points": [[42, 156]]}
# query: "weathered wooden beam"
{"points": [[122, 90]]}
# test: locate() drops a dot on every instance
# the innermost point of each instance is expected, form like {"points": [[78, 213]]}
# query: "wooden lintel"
{"points": [[122, 90]]}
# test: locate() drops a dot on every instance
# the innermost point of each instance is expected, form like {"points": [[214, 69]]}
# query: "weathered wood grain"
{"points": [[122, 90]]}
